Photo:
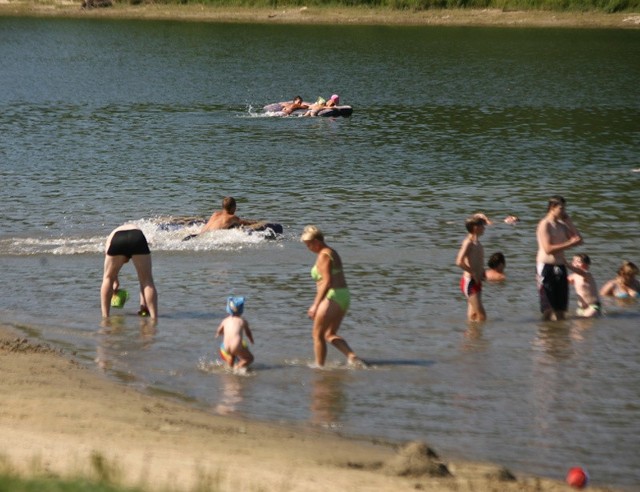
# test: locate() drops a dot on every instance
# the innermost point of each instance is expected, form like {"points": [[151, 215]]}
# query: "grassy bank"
{"points": [[278, 13], [15, 484], [607, 6]]}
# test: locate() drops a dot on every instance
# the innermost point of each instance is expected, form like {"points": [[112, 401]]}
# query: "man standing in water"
{"points": [[556, 233]]}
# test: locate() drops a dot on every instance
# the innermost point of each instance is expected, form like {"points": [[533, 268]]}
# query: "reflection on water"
{"points": [[231, 394], [328, 400], [472, 339], [115, 340], [554, 339]]}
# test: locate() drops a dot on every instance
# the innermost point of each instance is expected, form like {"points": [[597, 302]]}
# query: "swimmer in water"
{"points": [[225, 218], [288, 108], [511, 219], [497, 263], [625, 285]]}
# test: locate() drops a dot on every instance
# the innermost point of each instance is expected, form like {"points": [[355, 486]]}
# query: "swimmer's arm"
{"points": [[247, 221], [607, 289]]}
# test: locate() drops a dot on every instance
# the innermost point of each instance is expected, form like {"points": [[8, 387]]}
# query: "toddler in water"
{"points": [[233, 327], [585, 286]]}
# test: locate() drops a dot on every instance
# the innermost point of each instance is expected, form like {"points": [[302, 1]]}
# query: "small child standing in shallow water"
{"points": [[471, 259], [233, 327], [585, 286]]}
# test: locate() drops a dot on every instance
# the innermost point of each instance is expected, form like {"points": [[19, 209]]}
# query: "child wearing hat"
{"points": [[233, 348]]}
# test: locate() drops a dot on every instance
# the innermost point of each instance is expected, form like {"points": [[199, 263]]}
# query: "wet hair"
{"points": [[474, 221], [229, 204], [554, 201], [496, 260], [297, 98], [584, 258], [628, 268]]}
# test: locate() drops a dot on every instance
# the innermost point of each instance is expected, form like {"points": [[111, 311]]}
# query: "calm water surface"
{"points": [[104, 122]]}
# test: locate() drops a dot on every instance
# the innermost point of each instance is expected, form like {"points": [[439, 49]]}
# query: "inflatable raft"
{"points": [[269, 230], [335, 111]]}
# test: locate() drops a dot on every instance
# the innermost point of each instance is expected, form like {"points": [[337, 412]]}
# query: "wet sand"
{"points": [[59, 417], [329, 15]]}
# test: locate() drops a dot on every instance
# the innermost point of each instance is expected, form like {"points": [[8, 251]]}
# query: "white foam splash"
{"points": [[160, 238]]}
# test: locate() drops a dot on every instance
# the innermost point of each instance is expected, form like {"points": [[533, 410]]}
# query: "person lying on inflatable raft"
{"points": [[321, 104], [227, 219], [321, 107]]}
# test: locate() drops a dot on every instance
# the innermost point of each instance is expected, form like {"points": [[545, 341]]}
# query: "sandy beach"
{"points": [[329, 15], [58, 417]]}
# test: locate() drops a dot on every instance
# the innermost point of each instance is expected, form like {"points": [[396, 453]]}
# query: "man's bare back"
{"points": [[225, 218], [221, 220]]}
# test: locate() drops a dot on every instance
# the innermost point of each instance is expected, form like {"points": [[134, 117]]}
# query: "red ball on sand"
{"points": [[577, 477]]}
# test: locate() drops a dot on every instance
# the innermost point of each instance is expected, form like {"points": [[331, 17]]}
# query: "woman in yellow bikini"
{"points": [[332, 298]]}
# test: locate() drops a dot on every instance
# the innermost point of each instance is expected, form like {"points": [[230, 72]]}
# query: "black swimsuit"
{"points": [[128, 243], [554, 288]]}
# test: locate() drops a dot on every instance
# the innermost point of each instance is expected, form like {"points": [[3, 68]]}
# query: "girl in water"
{"points": [[625, 285]]}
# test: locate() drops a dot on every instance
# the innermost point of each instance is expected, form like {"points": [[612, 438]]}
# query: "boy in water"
{"points": [[585, 285], [471, 259], [233, 327]]}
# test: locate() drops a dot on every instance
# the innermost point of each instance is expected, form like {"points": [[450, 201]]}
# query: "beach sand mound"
{"points": [[416, 459], [25, 346]]}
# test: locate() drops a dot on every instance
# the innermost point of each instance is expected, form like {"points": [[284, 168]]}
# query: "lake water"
{"points": [[103, 122]]}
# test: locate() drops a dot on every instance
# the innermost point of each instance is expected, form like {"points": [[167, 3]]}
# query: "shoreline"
{"points": [[61, 418], [325, 16]]}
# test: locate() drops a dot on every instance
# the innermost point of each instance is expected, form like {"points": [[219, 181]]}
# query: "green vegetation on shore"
{"points": [[607, 6], [102, 475], [104, 478], [15, 484]]}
